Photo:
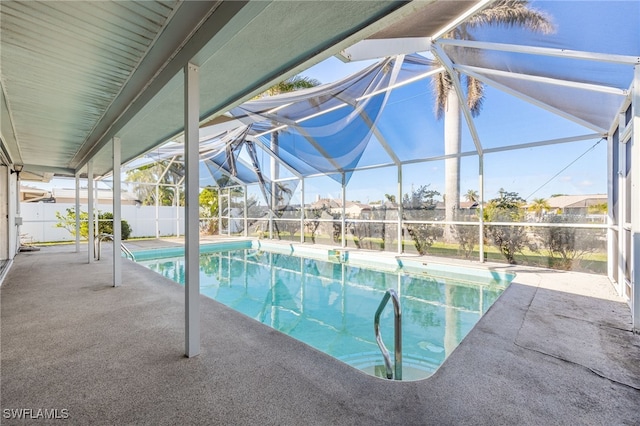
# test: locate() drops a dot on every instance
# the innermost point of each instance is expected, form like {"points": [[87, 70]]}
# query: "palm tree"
{"points": [[472, 196], [509, 13], [291, 84], [538, 206]]}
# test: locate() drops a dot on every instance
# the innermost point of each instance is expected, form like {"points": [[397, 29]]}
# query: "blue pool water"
{"points": [[330, 304]]}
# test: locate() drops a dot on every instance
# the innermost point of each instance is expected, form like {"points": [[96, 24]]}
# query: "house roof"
{"points": [[569, 201]]}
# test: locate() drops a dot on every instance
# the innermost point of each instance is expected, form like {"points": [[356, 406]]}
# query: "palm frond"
{"points": [[442, 84], [475, 95], [292, 84], [513, 13]]}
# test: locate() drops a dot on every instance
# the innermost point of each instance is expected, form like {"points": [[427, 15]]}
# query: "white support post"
{"points": [[192, 243], [635, 201], [157, 210], [245, 213], [302, 210], [400, 210], [96, 209], [77, 212], [219, 212], [90, 241], [612, 234], [117, 213], [176, 200], [229, 213], [344, 212], [481, 205]]}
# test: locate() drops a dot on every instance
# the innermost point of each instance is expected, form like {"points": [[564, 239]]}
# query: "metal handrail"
{"points": [[127, 252], [101, 237], [390, 294]]}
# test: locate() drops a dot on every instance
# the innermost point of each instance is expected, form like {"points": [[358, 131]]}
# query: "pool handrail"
{"points": [[390, 294], [104, 236]]}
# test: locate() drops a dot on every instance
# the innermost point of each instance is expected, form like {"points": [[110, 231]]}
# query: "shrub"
{"points": [[105, 223], [509, 239], [568, 244]]}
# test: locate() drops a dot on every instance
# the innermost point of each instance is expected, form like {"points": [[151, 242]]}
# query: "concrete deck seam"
{"points": [[597, 373], [596, 323]]}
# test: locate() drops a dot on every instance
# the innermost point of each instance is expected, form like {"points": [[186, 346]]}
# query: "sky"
{"points": [[571, 168]]}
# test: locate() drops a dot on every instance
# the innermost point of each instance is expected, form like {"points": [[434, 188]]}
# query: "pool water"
{"points": [[330, 305]]}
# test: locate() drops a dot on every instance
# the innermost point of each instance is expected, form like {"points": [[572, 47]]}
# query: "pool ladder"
{"points": [[101, 237], [390, 294]]}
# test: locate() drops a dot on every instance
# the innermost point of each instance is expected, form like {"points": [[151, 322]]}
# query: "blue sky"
{"points": [[571, 168], [530, 172]]}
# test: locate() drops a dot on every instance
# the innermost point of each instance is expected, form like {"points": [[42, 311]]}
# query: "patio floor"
{"points": [[556, 348]]}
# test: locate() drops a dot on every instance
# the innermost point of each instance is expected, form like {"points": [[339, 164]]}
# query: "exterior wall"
{"points": [[39, 220]]}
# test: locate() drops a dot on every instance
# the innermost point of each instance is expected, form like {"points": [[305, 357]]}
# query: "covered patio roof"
{"points": [[383, 115]]}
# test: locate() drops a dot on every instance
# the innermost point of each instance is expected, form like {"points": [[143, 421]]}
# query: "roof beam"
{"points": [[391, 87], [274, 156], [588, 137], [536, 102], [446, 62], [224, 171], [294, 125], [545, 80], [543, 51], [49, 169], [397, 66], [382, 48]]}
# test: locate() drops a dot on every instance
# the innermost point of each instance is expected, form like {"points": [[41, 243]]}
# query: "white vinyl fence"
{"points": [[39, 220]]}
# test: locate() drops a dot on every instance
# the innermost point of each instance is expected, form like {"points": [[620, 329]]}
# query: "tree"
{"points": [[414, 206], [105, 223], [509, 239], [600, 208], [208, 201], [538, 206], [165, 175], [472, 196], [509, 13], [291, 84]]}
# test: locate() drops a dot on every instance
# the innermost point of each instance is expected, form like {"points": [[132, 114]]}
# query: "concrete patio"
{"points": [[556, 348]]}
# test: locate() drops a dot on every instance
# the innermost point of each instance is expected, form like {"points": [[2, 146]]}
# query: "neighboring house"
{"points": [[352, 209], [30, 194], [575, 204]]}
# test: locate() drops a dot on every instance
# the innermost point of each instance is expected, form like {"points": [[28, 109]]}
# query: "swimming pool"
{"points": [[328, 298]]}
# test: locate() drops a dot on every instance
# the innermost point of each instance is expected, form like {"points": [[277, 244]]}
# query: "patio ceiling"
{"points": [[76, 74]]}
